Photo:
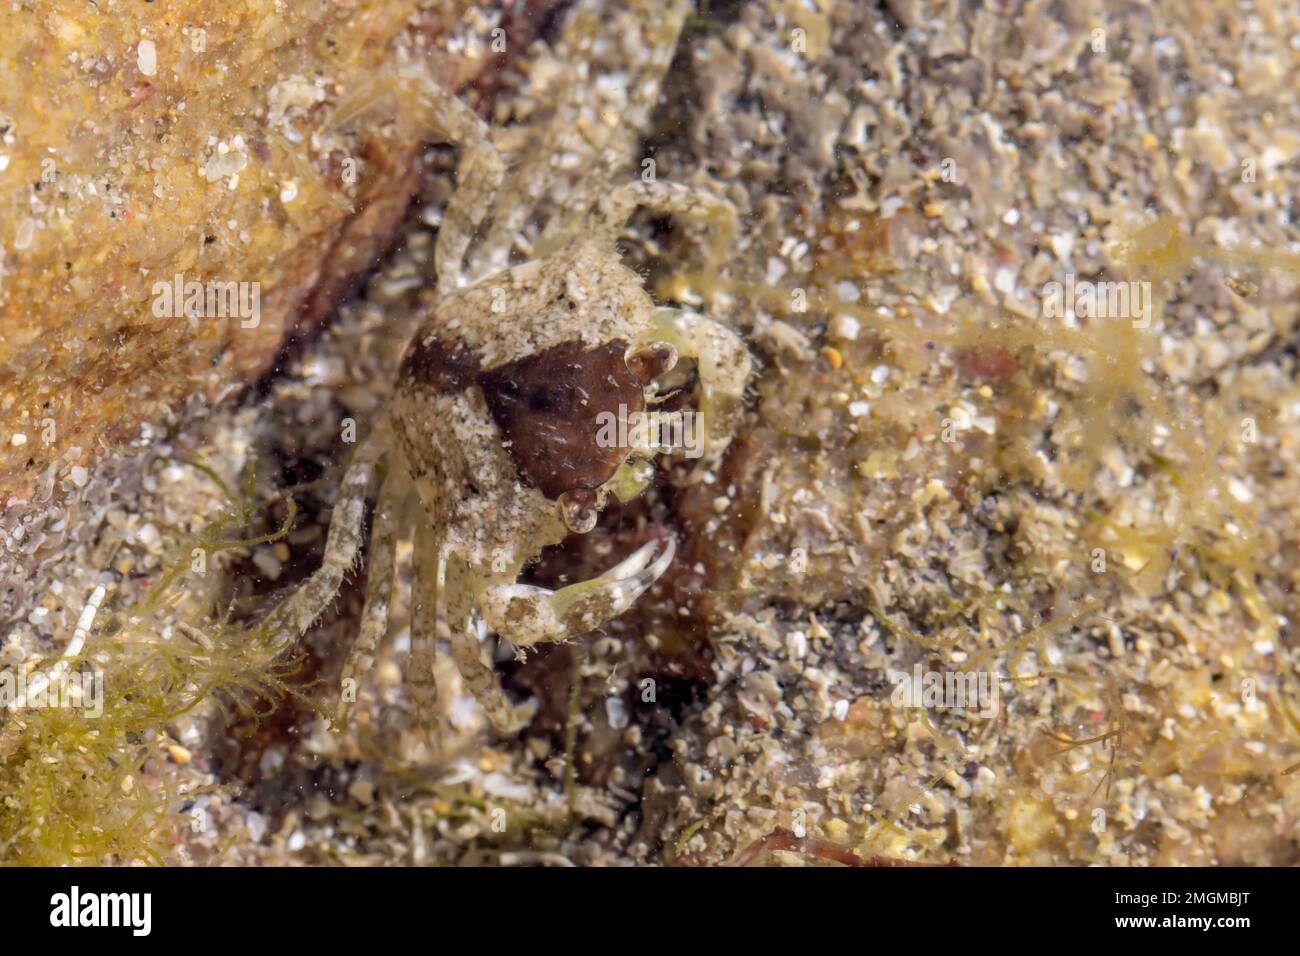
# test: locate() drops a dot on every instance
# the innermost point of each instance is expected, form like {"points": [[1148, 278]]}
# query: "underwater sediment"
{"points": [[997, 569]]}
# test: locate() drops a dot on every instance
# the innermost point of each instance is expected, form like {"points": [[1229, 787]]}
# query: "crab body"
{"points": [[491, 445], [499, 400]]}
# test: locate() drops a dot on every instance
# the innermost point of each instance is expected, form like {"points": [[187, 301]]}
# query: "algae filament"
{"points": [[105, 790]]}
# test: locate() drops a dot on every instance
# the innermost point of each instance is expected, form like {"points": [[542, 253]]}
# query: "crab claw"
{"points": [[724, 366], [527, 615]]}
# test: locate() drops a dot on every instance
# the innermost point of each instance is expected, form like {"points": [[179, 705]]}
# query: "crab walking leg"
{"points": [[526, 190], [292, 616], [662, 25], [517, 204], [723, 363], [421, 675], [561, 135], [380, 562], [478, 178], [467, 651], [481, 170], [40, 682], [616, 207], [528, 615], [578, 134]]}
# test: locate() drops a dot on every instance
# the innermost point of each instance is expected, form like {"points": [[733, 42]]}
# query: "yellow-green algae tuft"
{"points": [[108, 789]]}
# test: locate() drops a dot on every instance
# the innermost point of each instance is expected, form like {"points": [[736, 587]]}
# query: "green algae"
{"points": [[111, 788]]}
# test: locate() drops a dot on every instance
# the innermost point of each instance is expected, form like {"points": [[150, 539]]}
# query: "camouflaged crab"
{"points": [[489, 443]]}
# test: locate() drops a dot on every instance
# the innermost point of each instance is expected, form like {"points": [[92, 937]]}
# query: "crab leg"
{"points": [[614, 210], [662, 23], [467, 651], [479, 175], [723, 363], [380, 561], [528, 615], [292, 616], [421, 678], [564, 134], [478, 180]]}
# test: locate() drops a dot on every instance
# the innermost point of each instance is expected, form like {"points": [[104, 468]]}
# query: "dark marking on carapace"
{"points": [[548, 406], [442, 366]]}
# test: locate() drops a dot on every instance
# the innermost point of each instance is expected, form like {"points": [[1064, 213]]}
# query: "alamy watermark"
{"points": [[1099, 300], [74, 690], [208, 300], [654, 431], [75, 908], [61, 686], [957, 690]]}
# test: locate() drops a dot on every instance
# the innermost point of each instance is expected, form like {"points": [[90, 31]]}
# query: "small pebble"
{"points": [[845, 327], [146, 57], [362, 791]]}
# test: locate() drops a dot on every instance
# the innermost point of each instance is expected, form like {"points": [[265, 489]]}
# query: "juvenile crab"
{"points": [[489, 443]]}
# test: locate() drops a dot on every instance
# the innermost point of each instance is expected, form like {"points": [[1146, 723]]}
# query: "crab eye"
{"points": [[648, 362], [579, 509]]}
